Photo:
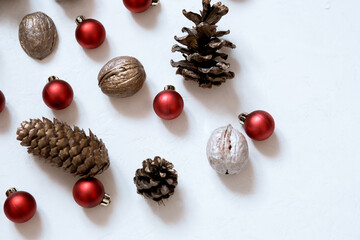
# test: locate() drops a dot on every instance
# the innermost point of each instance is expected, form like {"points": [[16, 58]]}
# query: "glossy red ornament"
{"points": [[19, 206], [259, 125], [2, 101], [168, 104], [89, 33], [57, 94], [89, 192], [137, 6]]}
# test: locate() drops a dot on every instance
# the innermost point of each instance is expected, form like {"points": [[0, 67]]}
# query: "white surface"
{"points": [[299, 60]]}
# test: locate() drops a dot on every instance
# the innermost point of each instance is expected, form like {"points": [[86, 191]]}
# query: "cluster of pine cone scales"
{"points": [[62, 146], [203, 62], [156, 180]]}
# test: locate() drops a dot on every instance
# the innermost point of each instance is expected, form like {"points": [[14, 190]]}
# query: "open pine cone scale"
{"points": [[156, 179], [202, 44]]}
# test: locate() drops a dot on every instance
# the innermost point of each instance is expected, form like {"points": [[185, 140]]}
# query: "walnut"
{"points": [[227, 150], [37, 35], [122, 77]]}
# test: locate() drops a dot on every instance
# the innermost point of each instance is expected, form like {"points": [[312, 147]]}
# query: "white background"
{"points": [[298, 60]]}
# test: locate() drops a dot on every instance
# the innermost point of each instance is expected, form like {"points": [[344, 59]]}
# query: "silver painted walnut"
{"points": [[227, 150], [37, 35], [122, 77]]}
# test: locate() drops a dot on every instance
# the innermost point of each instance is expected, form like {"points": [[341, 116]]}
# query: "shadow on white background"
{"points": [[74, 8], [5, 120], [136, 106], [178, 126], [100, 54], [270, 147], [13, 10], [173, 211], [242, 183], [70, 115], [31, 229], [149, 18]]}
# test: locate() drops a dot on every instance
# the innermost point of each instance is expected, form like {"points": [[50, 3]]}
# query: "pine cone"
{"points": [[202, 63], [156, 179], [64, 147]]}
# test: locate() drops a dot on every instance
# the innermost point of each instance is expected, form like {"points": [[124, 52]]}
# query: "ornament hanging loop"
{"points": [[10, 191], [52, 78], [106, 200], [155, 2], [79, 19], [169, 87], [242, 118]]}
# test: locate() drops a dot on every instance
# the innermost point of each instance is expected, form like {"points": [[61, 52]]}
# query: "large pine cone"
{"points": [[64, 147], [202, 63], [156, 180]]}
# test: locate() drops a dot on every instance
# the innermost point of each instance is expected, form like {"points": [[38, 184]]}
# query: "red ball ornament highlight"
{"points": [[57, 94], [19, 207], [89, 33], [137, 6], [259, 125], [89, 193], [2, 101], [168, 104]]}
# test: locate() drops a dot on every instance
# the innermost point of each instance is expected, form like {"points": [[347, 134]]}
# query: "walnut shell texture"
{"points": [[122, 77], [37, 35], [227, 150]]}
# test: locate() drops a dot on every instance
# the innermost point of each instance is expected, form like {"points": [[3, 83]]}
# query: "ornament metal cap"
{"points": [[242, 118], [169, 87], [155, 2], [52, 78], [106, 200], [79, 19], [10, 191]]}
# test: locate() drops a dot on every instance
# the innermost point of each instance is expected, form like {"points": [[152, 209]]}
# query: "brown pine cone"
{"points": [[202, 45], [156, 180], [64, 147]]}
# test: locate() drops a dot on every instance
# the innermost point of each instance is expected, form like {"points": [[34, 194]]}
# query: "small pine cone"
{"points": [[156, 180], [203, 62], [62, 146]]}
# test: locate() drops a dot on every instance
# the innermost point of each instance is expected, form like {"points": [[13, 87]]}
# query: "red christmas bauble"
{"points": [[259, 125], [2, 101], [20, 206], [168, 104], [57, 94], [137, 6], [88, 192], [89, 33]]}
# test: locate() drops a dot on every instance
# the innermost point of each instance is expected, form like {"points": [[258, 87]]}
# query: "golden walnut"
{"points": [[37, 35], [122, 77]]}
